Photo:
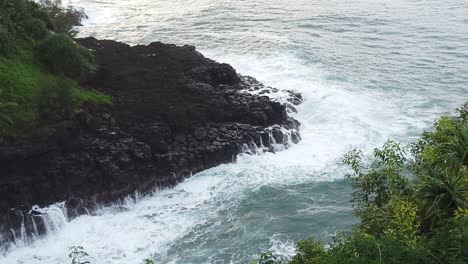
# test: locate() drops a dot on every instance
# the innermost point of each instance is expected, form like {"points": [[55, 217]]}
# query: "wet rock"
{"points": [[174, 113], [295, 137], [295, 98], [160, 147], [278, 135]]}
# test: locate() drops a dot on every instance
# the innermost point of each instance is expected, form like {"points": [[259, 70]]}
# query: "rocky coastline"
{"points": [[174, 113]]}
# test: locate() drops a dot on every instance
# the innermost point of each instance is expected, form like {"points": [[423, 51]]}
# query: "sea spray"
{"points": [[364, 76]]}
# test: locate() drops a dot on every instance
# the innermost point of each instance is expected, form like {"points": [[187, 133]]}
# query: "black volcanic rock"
{"points": [[174, 113]]}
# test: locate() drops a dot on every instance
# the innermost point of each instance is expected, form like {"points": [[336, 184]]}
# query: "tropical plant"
{"points": [[269, 258], [449, 242], [64, 19], [65, 57], [440, 163], [36, 28], [43, 15], [412, 209], [308, 251], [37, 67], [375, 187], [440, 192], [5, 41]]}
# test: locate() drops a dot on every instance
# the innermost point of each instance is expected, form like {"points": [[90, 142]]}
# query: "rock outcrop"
{"points": [[174, 113]]}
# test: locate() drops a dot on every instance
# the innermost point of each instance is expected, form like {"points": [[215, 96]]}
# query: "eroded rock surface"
{"points": [[174, 113]]}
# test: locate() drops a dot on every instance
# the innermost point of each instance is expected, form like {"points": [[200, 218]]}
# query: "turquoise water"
{"points": [[368, 70]]}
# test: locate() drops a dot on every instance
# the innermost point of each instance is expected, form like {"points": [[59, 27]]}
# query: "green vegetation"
{"points": [[412, 203], [36, 28], [40, 66], [5, 42], [269, 258], [64, 57], [62, 19]]}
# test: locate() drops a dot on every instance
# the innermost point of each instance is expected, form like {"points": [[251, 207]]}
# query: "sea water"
{"points": [[368, 70]]}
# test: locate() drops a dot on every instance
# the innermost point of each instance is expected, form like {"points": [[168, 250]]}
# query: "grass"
{"points": [[39, 64], [82, 96], [21, 76]]}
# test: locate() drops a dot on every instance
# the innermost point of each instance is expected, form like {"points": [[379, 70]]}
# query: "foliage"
{"points": [[5, 110], [449, 242], [359, 249], [376, 185], [65, 57], [78, 255], [43, 15], [403, 224], [20, 18], [308, 251], [54, 99], [413, 209], [36, 28], [441, 160], [269, 258], [37, 68], [18, 81], [31, 97], [63, 19], [82, 96], [5, 41], [377, 192], [16, 15]]}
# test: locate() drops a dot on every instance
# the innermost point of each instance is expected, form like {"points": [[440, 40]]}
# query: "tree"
{"points": [[64, 19]]}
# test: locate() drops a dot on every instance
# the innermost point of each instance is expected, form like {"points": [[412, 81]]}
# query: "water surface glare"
{"points": [[368, 70]]}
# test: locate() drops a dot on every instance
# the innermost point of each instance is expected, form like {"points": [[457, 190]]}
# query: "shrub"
{"points": [[411, 209], [441, 160], [375, 186], [269, 258], [66, 21], [14, 12], [5, 41], [308, 251], [44, 16], [358, 249], [404, 223], [30, 95], [64, 57], [54, 100], [450, 241], [63, 19], [36, 28]]}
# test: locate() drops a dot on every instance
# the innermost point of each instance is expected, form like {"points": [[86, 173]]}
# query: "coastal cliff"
{"points": [[174, 113]]}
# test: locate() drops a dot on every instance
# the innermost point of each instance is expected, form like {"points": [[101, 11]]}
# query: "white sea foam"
{"points": [[357, 74], [133, 231]]}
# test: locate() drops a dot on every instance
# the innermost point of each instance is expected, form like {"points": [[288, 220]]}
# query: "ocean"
{"points": [[368, 70]]}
